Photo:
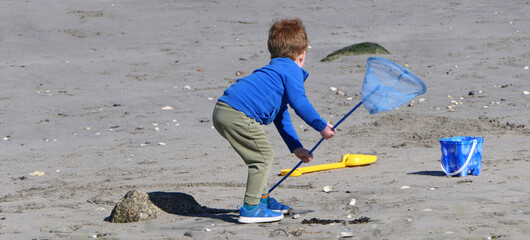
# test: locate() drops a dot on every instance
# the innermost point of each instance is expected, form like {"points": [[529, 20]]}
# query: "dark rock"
{"points": [[356, 49]]}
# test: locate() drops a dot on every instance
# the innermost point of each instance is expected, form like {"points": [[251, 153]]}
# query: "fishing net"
{"points": [[388, 85]]}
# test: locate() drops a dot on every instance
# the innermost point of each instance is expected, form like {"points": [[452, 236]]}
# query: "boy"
{"points": [[262, 98]]}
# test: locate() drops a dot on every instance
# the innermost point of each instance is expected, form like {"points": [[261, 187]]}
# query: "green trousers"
{"points": [[247, 137]]}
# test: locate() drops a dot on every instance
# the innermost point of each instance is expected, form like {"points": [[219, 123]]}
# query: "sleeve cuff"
{"points": [[294, 146], [320, 124]]}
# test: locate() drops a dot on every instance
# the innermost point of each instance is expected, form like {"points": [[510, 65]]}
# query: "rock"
{"points": [[356, 49], [139, 206], [133, 207]]}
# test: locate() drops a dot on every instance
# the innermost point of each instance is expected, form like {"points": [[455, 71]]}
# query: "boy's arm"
{"points": [[298, 100], [286, 129]]}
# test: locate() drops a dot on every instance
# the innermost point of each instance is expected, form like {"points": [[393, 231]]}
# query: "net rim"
{"points": [[401, 68]]}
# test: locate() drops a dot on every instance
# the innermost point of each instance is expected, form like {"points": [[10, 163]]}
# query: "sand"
{"points": [[103, 97]]}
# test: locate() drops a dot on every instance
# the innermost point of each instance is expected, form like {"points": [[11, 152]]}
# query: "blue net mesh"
{"points": [[388, 85]]}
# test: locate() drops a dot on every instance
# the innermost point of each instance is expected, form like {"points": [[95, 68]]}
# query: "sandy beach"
{"points": [[98, 98]]}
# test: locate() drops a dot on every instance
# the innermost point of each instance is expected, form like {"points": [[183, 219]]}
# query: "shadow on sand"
{"points": [[184, 204], [429, 173]]}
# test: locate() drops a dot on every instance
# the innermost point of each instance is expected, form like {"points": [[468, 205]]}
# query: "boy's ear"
{"points": [[301, 59]]}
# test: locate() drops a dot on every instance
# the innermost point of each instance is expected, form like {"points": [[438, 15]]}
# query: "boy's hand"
{"points": [[303, 154], [327, 133]]}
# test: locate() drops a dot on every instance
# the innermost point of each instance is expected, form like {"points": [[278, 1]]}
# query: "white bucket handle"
{"points": [[465, 164]]}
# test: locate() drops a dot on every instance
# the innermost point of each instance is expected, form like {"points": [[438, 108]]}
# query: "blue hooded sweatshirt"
{"points": [[264, 96]]}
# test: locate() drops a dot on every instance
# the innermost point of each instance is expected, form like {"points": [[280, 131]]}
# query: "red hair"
{"points": [[287, 38]]}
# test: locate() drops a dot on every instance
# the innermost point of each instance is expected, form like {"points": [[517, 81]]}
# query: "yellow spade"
{"points": [[348, 160]]}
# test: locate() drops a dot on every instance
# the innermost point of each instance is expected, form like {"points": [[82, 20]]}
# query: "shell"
{"points": [[345, 235], [327, 189], [37, 173]]}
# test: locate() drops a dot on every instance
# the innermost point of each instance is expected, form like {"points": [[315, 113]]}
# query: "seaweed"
{"points": [[360, 220], [322, 221], [330, 221]]}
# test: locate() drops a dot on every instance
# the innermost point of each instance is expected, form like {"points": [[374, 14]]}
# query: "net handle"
{"points": [[315, 147]]}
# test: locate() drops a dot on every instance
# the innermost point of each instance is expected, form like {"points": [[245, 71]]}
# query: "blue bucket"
{"points": [[461, 155]]}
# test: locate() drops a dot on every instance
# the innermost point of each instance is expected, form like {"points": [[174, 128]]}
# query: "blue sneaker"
{"points": [[275, 206], [258, 214]]}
